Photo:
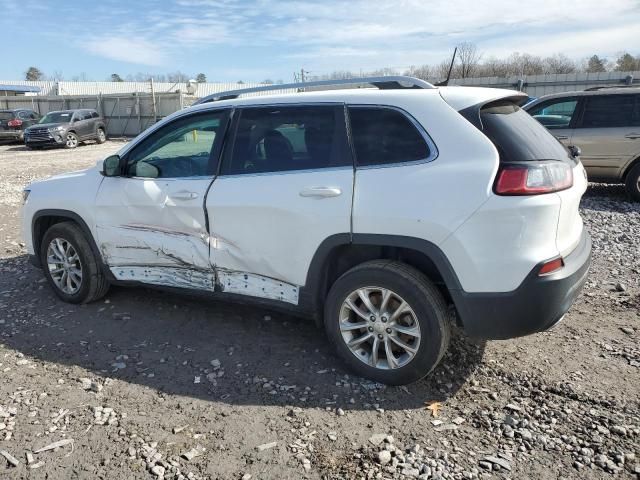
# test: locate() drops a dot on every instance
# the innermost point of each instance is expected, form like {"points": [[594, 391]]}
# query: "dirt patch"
{"points": [[154, 385]]}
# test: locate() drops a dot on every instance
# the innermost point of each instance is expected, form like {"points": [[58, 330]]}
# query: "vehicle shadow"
{"points": [[167, 342]]}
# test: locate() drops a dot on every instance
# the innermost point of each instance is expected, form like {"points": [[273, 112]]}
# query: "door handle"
{"points": [[633, 136], [184, 195], [562, 137], [320, 192]]}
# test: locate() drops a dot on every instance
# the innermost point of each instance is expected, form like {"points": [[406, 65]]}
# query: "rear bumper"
{"points": [[11, 134], [536, 305]]}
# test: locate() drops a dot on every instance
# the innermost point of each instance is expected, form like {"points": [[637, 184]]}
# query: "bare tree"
{"points": [[559, 63], [467, 59]]}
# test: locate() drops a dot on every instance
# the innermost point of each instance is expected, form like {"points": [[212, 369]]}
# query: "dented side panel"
{"points": [[256, 286]]}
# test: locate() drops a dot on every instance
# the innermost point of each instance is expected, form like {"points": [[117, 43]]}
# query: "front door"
{"points": [[286, 185], [608, 135], [558, 116], [150, 222]]}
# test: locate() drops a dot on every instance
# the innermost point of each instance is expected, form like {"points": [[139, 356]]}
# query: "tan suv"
{"points": [[605, 124]]}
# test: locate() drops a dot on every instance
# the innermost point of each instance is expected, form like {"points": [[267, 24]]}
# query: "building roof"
{"points": [[19, 88]]}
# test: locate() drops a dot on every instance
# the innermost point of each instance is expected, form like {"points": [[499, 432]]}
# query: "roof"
{"points": [[583, 93], [19, 88], [457, 97]]}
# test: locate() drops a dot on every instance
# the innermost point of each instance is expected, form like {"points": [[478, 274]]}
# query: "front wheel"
{"points": [[101, 136], [387, 321], [632, 183], [71, 267], [71, 140]]}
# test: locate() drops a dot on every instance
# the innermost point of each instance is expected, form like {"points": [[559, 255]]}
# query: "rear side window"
{"points": [[6, 115], [94, 115], [517, 136], [385, 136], [284, 138], [602, 111]]}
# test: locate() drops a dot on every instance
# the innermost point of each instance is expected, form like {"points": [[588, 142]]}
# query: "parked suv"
{"points": [[605, 124], [378, 212], [66, 128], [14, 122]]}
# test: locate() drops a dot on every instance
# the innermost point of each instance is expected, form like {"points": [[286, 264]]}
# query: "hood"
{"points": [[69, 178], [48, 125]]}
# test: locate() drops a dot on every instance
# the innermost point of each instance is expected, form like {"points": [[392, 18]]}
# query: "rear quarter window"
{"points": [[517, 135], [385, 136]]}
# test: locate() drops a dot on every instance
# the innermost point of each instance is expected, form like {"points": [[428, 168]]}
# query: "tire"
{"points": [[72, 140], [632, 183], [92, 285], [428, 310], [101, 136]]}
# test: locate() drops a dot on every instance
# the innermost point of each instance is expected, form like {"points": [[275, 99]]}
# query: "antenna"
{"points": [[453, 59]]}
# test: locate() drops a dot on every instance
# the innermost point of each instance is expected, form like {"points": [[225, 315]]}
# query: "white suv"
{"points": [[376, 211]]}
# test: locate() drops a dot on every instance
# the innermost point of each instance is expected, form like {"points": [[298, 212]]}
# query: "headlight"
{"points": [[25, 195], [59, 128]]}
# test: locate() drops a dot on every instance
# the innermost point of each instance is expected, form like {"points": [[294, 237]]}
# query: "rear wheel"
{"points": [[387, 321], [632, 183], [72, 269], [71, 140], [101, 136]]}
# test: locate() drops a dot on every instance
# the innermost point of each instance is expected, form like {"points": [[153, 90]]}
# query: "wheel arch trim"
{"points": [[316, 282], [36, 235]]}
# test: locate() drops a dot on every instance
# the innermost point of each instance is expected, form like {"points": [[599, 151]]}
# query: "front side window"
{"points": [[385, 136], [555, 113], [606, 111], [279, 139], [182, 148]]}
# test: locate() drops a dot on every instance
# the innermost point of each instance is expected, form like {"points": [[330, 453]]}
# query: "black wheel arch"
{"points": [[42, 220], [632, 164], [338, 253]]}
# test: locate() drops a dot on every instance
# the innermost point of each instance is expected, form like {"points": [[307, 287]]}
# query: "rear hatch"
{"points": [[533, 162], [5, 118]]}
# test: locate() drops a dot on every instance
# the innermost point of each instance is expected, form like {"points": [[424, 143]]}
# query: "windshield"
{"points": [[6, 115], [57, 117]]}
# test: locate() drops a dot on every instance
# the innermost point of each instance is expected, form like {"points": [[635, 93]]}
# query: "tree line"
{"points": [[469, 62]]}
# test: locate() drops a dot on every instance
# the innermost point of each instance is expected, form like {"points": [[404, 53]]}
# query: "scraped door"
{"points": [[150, 222], [285, 187]]}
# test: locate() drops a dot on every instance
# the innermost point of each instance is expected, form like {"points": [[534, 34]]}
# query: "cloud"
{"points": [[129, 50]]}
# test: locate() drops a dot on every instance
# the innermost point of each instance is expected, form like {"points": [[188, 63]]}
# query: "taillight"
{"points": [[14, 123], [533, 178]]}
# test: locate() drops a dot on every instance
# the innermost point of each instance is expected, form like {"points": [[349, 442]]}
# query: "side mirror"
{"points": [[111, 166], [575, 151]]}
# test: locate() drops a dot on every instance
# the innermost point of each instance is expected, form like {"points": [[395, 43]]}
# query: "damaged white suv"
{"points": [[376, 211]]}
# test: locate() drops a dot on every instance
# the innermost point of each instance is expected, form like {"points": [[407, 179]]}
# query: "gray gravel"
{"points": [[149, 385]]}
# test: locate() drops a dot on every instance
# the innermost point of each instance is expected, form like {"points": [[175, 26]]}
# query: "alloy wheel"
{"points": [[72, 140], [64, 266], [379, 327]]}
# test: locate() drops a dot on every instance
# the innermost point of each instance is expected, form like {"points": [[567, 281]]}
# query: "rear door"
{"points": [[285, 186], [608, 134]]}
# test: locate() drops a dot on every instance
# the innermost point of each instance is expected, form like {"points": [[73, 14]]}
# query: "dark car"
{"points": [[14, 122], [66, 128]]}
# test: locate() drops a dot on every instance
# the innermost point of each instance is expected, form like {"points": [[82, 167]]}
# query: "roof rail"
{"points": [[383, 83], [607, 87]]}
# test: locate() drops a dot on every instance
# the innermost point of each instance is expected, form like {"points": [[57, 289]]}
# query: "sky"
{"points": [[255, 40]]}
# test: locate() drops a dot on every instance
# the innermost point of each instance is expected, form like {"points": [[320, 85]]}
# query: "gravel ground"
{"points": [[146, 385]]}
